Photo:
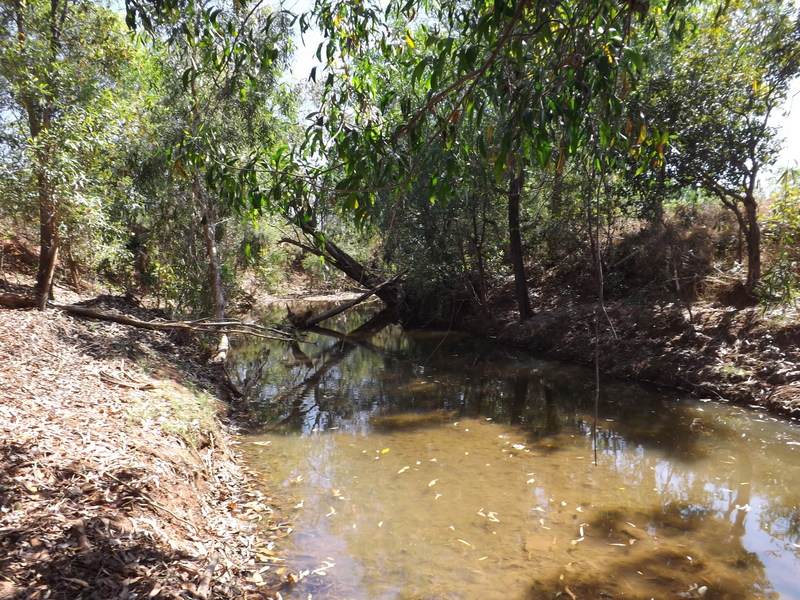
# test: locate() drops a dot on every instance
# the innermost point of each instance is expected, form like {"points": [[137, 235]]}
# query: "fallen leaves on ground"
{"points": [[97, 501]]}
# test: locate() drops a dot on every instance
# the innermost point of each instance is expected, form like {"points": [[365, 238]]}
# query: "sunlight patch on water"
{"points": [[473, 509]]}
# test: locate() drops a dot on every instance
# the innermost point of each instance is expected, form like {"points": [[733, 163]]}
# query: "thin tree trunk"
{"points": [[48, 241], [515, 246], [658, 209], [72, 264], [750, 230], [477, 243], [217, 296], [201, 201], [40, 114], [557, 192], [753, 238], [212, 256]]}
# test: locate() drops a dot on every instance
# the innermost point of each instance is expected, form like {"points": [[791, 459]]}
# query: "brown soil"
{"points": [[118, 471], [748, 356]]}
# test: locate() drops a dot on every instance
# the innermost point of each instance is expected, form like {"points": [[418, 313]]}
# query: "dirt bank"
{"points": [[118, 470], [748, 356]]}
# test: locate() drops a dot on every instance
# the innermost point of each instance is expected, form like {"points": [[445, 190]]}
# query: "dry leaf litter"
{"points": [[97, 499]]}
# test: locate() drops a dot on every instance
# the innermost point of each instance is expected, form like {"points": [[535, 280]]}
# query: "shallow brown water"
{"points": [[431, 465]]}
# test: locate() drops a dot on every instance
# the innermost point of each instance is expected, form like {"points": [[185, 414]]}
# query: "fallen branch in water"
{"points": [[303, 322], [223, 326]]}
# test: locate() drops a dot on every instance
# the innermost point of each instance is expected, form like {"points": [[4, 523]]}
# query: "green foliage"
{"points": [[221, 69], [532, 83], [782, 231], [428, 113], [69, 102], [715, 92], [221, 101], [261, 252], [717, 89], [454, 250]]}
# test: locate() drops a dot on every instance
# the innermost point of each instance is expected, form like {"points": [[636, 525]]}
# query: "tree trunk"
{"points": [[74, 271], [40, 113], [750, 230], [752, 236], [477, 246], [201, 201], [515, 246], [212, 256], [48, 241], [391, 295]]}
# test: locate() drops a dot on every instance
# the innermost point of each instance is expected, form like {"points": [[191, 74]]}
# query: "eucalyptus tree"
{"points": [[222, 62], [65, 106], [533, 83], [715, 93]]}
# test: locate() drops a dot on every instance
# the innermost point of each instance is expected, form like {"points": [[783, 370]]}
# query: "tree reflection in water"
{"points": [[688, 500]]}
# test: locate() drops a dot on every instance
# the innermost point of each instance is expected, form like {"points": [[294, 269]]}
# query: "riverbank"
{"points": [[748, 356], [120, 477], [120, 472]]}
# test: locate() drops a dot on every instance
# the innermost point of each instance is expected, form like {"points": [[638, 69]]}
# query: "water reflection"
{"points": [[430, 465]]}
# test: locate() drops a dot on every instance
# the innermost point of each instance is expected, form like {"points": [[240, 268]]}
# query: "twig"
{"points": [[134, 385], [204, 585]]}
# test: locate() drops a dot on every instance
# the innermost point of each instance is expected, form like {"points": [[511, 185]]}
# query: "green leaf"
{"points": [[418, 70], [499, 167]]}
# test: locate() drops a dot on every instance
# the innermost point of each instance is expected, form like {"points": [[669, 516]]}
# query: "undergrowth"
{"points": [[180, 410]]}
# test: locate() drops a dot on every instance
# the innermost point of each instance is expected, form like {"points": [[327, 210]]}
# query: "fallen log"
{"points": [[224, 326], [17, 301], [320, 245], [310, 321]]}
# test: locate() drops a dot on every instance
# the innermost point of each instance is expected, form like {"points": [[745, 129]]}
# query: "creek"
{"points": [[432, 465]]}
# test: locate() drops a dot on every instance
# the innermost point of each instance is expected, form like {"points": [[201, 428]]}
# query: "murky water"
{"points": [[430, 465]]}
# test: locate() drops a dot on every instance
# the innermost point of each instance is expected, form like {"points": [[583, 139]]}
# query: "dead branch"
{"points": [[110, 379], [204, 585], [224, 326], [311, 321], [17, 301]]}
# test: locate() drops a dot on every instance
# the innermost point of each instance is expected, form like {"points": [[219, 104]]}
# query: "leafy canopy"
{"points": [[533, 81]]}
